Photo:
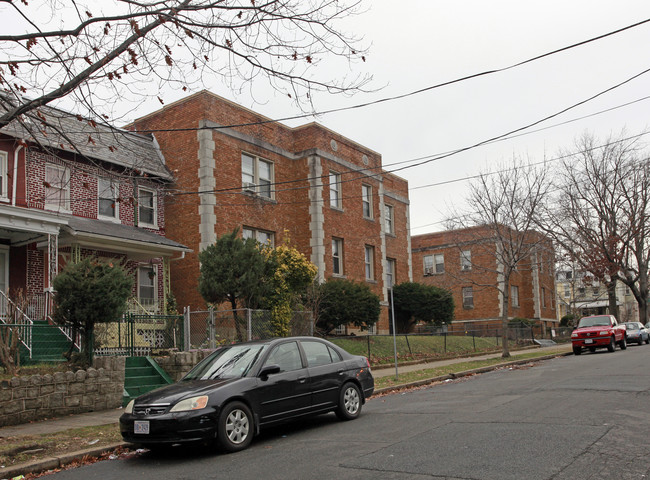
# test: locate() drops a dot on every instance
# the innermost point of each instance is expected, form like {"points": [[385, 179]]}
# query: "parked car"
{"points": [[598, 331], [244, 387], [637, 332]]}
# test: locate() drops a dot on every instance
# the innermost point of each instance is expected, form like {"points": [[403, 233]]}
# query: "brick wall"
{"points": [[29, 398], [482, 276], [288, 212]]}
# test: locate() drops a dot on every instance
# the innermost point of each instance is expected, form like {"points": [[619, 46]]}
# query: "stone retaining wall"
{"points": [[178, 364], [35, 397]]}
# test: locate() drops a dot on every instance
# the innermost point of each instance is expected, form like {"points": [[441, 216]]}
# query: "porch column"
{"points": [[167, 282], [52, 258]]}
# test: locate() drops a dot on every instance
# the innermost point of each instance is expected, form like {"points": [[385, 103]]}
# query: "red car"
{"points": [[598, 331]]}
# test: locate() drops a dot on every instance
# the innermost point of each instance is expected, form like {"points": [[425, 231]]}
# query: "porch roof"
{"points": [[136, 242]]}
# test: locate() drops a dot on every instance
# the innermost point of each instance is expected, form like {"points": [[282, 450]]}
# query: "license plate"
{"points": [[141, 427], [589, 340]]}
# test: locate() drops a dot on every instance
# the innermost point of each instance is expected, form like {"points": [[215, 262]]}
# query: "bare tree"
{"points": [[93, 54], [504, 205], [601, 214]]}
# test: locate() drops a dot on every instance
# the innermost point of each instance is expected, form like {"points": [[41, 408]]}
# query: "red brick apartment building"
{"points": [[235, 168], [465, 262]]}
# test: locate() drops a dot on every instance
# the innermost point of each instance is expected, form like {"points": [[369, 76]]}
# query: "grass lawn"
{"points": [[409, 377]]}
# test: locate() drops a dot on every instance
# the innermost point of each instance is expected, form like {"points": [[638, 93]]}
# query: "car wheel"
{"points": [[349, 402], [235, 429], [623, 343], [577, 350], [640, 342], [647, 340], [612, 345]]}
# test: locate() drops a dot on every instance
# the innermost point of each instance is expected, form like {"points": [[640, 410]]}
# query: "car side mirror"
{"points": [[268, 370]]}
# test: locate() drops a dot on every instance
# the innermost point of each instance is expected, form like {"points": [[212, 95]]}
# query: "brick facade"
{"points": [[209, 160], [479, 270]]}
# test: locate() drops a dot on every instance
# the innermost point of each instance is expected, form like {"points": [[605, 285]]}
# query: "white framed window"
{"points": [[256, 175], [262, 236], [340, 329], [567, 291], [107, 199], [390, 224], [466, 260], [468, 297], [514, 295], [428, 265], [390, 272], [371, 329], [4, 165], [57, 188], [439, 263], [337, 256], [147, 207], [147, 286], [366, 200], [369, 262], [335, 190]]}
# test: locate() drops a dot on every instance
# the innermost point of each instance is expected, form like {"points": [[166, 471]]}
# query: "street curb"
{"points": [[52, 463], [452, 376]]}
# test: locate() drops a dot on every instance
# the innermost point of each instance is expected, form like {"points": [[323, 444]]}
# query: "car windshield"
{"points": [[600, 321], [631, 326], [227, 362]]}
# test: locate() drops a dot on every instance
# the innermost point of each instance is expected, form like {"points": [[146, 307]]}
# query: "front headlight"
{"points": [[129, 407], [574, 335], [194, 403], [603, 332]]}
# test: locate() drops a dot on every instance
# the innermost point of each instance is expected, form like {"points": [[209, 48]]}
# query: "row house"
{"points": [[236, 169], [465, 261], [580, 293], [70, 189]]}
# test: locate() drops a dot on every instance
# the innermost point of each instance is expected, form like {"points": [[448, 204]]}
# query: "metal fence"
{"points": [[139, 335], [439, 342], [210, 328]]}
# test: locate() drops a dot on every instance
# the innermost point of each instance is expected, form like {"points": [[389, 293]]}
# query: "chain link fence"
{"points": [[210, 328]]}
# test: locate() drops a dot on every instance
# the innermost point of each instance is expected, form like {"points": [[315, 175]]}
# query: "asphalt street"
{"points": [[575, 417]]}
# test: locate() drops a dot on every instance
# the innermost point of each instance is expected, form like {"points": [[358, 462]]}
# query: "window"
{"points": [[147, 207], [567, 291], [335, 190], [262, 236], [468, 297], [543, 297], [428, 265], [57, 188], [439, 261], [337, 256], [370, 262], [107, 195], [147, 286], [596, 291], [390, 226], [371, 329], [390, 272], [466, 260], [340, 330], [366, 199], [4, 193], [287, 356], [317, 353], [256, 175], [581, 291], [514, 295]]}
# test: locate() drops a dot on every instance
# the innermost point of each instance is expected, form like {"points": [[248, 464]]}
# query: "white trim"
{"points": [[4, 170], [4, 251], [154, 201], [114, 187]]}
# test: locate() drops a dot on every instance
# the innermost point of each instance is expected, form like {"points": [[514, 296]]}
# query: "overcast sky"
{"points": [[414, 44], [426, 42]]}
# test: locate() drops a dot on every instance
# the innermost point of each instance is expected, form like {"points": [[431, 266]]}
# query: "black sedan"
{"points": [[244, 387]]}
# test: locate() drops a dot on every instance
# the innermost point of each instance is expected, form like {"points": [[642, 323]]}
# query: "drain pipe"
{"points": [[15, 179]]}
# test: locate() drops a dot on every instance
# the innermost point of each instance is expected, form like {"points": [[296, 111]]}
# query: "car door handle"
{"points": [[340, 371], [302, 379]]}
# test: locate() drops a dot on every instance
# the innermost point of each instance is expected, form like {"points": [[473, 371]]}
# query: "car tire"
{"points": [[577, 350], [623, 343], [647, 340], [235, 429], [612, 344], [350, 402], [640, 342]]}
